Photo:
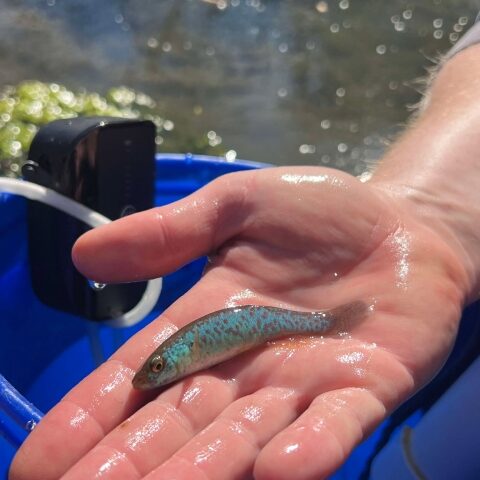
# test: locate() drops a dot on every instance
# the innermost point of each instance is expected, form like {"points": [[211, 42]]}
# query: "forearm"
{"points": [[436, 164]]}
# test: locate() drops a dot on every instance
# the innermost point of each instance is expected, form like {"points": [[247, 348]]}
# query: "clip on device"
{"points": [[106, 164]]}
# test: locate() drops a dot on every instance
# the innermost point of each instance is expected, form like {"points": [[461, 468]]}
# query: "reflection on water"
{"points": [[315, 82]]}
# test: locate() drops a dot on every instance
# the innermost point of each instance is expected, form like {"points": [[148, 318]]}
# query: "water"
{"points": [[96, 286], [30, 425], [95, 343], [93, 331], [291, 82]]}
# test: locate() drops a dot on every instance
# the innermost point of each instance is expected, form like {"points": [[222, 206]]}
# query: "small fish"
{"points": [[221, 335]]}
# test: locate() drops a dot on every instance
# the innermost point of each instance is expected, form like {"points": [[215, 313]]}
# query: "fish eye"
{"points": [[156, 364]]}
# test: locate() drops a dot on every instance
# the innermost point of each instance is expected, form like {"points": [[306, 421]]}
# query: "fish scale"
{"points": [[223, 334]]}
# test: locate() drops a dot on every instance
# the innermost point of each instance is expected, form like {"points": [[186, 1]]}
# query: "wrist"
{"points": [[434, 169], [439, 185], [450, 222]]}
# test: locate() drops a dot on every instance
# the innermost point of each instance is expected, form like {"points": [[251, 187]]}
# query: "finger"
{"points": [[155, 242], [95, 406], [316, 444], [229, 445], [164, 425], [101, 401], [157, 430]]}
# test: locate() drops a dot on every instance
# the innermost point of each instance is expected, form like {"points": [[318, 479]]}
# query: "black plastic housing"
{"points": [[106, 164]]}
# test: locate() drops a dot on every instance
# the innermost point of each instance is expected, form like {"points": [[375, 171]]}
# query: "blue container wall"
{"points": [[44, 352]]}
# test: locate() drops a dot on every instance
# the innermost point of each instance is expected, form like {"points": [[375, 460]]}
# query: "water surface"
{"points": [[289, 82]]}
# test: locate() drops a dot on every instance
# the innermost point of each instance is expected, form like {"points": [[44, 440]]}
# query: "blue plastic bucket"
{"points": [[44, 352]]}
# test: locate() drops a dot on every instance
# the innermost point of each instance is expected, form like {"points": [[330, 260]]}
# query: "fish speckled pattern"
{"points": [[221, 335]]}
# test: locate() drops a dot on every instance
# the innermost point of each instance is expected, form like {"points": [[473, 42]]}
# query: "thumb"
{"points": [[158, 241]]}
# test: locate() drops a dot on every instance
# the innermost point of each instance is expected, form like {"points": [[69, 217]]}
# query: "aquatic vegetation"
{"points": [[30, 104]]}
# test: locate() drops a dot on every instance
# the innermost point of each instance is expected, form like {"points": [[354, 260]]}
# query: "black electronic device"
{"points": [[106, 164]]}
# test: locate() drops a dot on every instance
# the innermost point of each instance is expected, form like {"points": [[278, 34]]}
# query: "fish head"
{"points": [[158, 370]]}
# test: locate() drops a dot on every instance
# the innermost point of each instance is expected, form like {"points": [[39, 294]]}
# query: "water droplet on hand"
{"points": [[30, 425], [97, 286]]}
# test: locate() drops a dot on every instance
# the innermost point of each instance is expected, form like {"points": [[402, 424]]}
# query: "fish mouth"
{"points": [[140, 381]]}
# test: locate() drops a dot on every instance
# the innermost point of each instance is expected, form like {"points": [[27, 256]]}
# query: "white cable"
{"points": [[32, 191]]}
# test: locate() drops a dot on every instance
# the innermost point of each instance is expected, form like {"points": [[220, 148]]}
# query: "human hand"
{"points": [[304, 238]]}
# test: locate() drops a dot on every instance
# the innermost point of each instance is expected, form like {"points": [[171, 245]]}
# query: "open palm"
{"points": [[303, 238]]}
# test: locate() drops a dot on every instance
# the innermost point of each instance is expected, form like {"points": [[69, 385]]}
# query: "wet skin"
{"points": [[301, 238]]}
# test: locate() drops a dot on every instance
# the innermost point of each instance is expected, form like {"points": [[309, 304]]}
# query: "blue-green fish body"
{"points": [[221, 335]]}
